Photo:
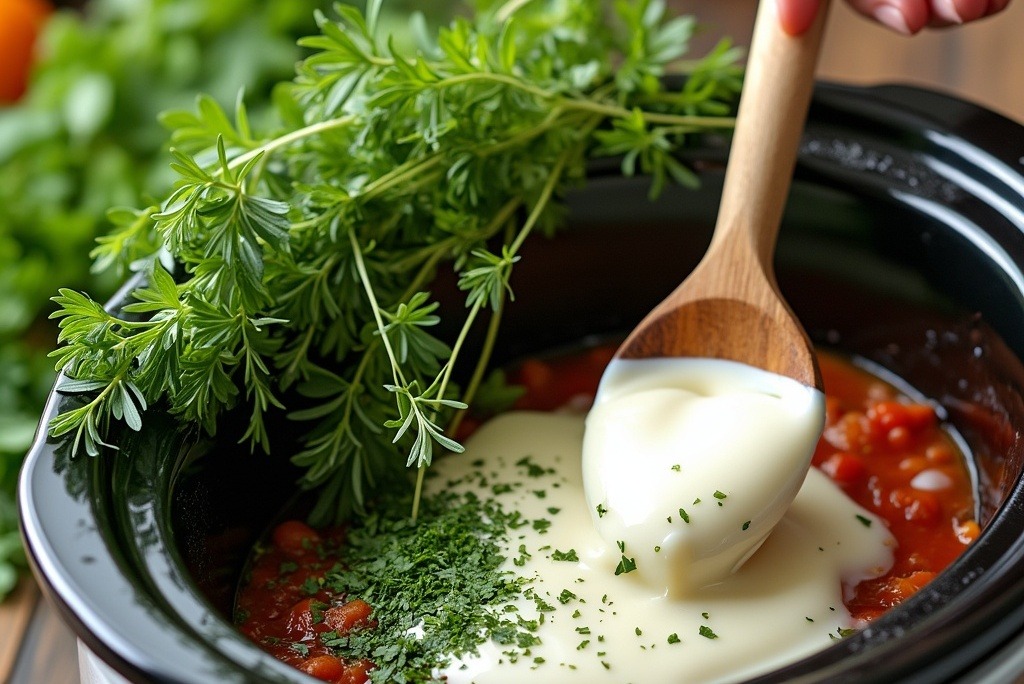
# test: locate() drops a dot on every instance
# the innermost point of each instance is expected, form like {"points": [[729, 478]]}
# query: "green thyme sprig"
{"points": [[305, 254]]}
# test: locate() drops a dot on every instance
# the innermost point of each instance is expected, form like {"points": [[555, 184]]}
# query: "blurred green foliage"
{"points": [[86, 138]]}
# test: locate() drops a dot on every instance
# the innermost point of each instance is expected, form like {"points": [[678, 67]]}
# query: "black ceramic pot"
{"points": [[903, 243]]}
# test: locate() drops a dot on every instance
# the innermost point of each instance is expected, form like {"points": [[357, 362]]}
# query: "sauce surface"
{"points": [[601, 624], [901, 473]]}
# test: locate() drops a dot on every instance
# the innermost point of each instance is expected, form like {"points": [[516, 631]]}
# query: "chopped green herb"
{"points": [[684, 515], [601, 510], [746, 526], [846, 632], [865, 521], [447, 565], [569, 556], [673, 638], [706, 632], [532, 469], [625, 565]]}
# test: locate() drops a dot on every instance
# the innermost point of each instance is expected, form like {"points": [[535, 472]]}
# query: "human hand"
{"points": [[903, 16]]}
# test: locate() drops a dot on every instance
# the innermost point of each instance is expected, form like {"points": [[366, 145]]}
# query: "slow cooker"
{"points": [[902, 243]]}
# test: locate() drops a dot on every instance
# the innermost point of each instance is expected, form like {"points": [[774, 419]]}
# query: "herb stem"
{"points": [[542, 202], [446, 375], [483, 361], [618, 112], [503, 79], [396, 371], [289, 138]]}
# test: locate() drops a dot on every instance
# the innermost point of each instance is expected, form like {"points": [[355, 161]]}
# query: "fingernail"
{"points": [[893, 18], [946, 9]]}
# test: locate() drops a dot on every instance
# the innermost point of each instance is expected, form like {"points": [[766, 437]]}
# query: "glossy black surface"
{"points": [[903, 242]]}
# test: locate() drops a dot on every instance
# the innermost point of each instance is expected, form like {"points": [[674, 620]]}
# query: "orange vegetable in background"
{"points": [[20, 23]]}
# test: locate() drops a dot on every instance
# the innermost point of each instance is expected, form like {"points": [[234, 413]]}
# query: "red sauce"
{"points": [[877, 445], [284, 607], [874, 445]]}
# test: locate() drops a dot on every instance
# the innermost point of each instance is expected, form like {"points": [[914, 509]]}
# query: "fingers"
{"points": [[903, 16], [910, 16], [797, 16]]}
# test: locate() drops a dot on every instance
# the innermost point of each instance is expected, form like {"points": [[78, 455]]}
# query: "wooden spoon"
{"points": [[730, 306]]}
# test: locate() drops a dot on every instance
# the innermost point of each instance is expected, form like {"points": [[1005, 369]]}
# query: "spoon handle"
{"points": [[771, 117]]}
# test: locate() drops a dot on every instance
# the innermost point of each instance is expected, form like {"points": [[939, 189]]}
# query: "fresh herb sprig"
{"points": [[306, 254], [85, 136]]}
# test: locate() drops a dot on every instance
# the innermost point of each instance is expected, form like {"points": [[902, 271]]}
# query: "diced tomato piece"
{"points": [[886, 415], [536, 375], [899, 437], [939, 454], [849, 433], [326, 668], [357, 672], [912, 465], [302, 624], [905, 587], [917, 506], [295, 538], [348, 616], [845, 468], [968, 531], [834, 409]]}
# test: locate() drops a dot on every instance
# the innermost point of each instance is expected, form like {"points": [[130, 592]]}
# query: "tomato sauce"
{"points": [[888, 452], [285, 608]]}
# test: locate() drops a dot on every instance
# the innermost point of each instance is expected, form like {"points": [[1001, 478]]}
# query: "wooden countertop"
{"points": [[983, 62]]}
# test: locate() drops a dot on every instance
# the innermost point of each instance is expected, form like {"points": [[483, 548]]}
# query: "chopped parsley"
{"points": [[673, 638], [569, 555], [445, 567], [842, 633], [706, 632], [865, 521], [625, 565]]}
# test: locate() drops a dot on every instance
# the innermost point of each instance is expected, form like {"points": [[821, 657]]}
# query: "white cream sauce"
{"points": [[690, 463], [782, 604]]}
